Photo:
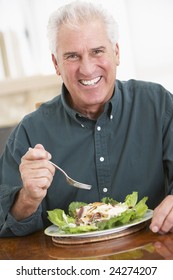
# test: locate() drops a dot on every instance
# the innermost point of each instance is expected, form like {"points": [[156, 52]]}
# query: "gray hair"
{"points": [[75, 14]]}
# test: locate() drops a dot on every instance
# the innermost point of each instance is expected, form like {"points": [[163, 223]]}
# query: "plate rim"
{"points": [[146, 217]]}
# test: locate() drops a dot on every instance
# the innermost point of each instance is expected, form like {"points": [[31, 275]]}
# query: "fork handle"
{"points": [[59, 168]]}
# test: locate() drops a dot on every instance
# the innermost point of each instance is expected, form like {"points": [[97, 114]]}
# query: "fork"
{"points": [[70, 180]]}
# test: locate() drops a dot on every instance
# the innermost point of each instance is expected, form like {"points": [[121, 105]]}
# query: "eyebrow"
{"points": [[98, 48]]}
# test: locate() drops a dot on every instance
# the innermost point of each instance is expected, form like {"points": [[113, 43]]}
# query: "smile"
{"points": [[90, 82]]}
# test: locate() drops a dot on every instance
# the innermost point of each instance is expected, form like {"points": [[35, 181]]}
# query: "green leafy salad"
{"points": [[108, 213]]}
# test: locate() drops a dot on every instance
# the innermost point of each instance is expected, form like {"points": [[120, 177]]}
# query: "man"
{"points": [[116, 136]]}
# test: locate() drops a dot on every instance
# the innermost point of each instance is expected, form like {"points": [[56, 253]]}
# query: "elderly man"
{"points": [[116, 136]]}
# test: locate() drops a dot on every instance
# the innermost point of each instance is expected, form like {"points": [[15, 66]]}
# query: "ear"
{"points": [[55, 65], [117, 55]]}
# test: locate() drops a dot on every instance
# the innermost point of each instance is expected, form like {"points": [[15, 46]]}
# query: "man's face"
{"points": [[87, 64]]}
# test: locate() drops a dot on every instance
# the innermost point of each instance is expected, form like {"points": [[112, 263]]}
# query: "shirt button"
{"points": [[105, 190], [98, 128], [102, 159], [111, 117], [82, 125]]}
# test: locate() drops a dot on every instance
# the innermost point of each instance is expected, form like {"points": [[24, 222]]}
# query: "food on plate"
{"points": [[98, 211], [108, 213]]}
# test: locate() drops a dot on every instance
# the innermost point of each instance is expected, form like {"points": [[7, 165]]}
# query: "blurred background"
{"points": [[27, 75]]}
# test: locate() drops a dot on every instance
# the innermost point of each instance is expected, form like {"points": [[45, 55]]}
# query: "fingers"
{"points": [[162, 220], [36, 172], [36, 160], [38, 152], [39, 146], [39, 168]]}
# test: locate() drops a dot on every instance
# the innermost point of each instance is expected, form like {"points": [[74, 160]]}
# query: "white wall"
{"points": [[151, 23], [146, 40]]}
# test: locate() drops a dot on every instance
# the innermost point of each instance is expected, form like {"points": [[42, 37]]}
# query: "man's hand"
{"points": [[162, 220], [37, 175], [36, 172]]}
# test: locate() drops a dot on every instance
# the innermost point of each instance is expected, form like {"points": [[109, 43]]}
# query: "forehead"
{"points": [[90, 34]]}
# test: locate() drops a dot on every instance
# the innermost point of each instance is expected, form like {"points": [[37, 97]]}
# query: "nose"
{"points": [[87, 65]]}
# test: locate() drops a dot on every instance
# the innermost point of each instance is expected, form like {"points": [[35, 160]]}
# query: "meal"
{"points": [[98, 211], [108, 213]]}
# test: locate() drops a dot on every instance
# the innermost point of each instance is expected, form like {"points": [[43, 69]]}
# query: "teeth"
{"points": [[91, 82]]}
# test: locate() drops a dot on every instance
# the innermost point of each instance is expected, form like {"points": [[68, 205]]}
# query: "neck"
{"points": [[90, 112]]}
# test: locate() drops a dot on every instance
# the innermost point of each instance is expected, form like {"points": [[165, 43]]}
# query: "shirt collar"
{"points": [[114, 101], [109, 109], [73, 113]]}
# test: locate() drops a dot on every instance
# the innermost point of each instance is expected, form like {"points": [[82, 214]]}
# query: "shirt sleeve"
{"points": [[8, 225], [10, 184], [168, 142]]}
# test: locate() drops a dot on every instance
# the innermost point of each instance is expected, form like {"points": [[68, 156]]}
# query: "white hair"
{"points": [[75, 14]]}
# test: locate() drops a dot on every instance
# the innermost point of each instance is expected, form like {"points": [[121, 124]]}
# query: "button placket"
{"points": [[99, 129], [102, 162]]}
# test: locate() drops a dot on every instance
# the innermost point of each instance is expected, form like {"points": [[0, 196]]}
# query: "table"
{"points": [[141, 245]]}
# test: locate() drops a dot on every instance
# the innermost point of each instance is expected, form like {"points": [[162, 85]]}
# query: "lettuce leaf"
{"points": [[67, 223], [140, 208], [59, 218], [108, 200], [131, 199]]}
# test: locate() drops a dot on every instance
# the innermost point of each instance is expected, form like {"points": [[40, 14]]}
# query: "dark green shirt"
{"points": [[129, 148]]}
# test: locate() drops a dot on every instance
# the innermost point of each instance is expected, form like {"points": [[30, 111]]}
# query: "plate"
{"points": [[54, 231]]}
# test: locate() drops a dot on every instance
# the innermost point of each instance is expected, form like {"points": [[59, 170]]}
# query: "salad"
{"points": [[106, 214]]}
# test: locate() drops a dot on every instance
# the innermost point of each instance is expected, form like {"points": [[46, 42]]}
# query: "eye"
{"points": [[98, 52], [72, 57]]}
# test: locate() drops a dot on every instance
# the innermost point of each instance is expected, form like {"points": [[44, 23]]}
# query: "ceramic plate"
{"points": [[56, 232]]}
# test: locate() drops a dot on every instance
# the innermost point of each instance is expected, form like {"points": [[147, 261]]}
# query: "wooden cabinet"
{"points": [[19, 96]]}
